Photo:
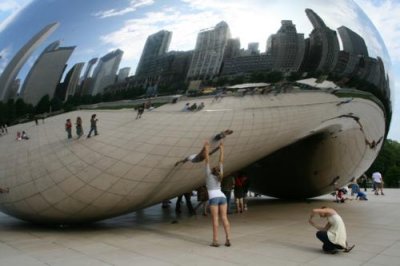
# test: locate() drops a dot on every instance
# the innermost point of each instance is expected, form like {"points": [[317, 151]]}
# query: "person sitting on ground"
{"points": [[201, 106], [355, 190], [24, 135], [186, 107], [199, 157], [333, 234], [193, 107], [340, 195], [19, 136]]}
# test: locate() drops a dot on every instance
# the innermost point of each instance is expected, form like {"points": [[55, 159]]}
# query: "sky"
{"points": [[382, 13]]}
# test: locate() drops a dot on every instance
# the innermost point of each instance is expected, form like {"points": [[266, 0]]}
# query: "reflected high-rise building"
{"points": [[322, 47], [286, 48], [156, 45], [72, 80], [14, 66], [123, 74], [46, 73], [352, 42], [209, 51], [86, 79], [232, 48], [106, 71]]}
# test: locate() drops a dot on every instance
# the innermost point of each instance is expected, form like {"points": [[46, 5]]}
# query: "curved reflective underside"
{"points": [[305, 88]]}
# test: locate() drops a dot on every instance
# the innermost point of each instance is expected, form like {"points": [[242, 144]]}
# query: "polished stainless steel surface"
{"points": [[322, 112]]}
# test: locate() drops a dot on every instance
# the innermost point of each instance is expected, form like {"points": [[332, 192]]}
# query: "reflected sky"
{"points": [[99, 28]]}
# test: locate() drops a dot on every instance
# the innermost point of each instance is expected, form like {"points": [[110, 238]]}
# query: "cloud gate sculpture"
{"points": [[304, 85]]}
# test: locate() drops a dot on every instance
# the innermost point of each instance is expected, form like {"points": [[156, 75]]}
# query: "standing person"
{"points": [[93, 126], [239, 191], [79, 128], [333, 234], [362, 181], [189, 205], [227, 185], [378, 182], [217, 199], [68, 128], [140, 110]]}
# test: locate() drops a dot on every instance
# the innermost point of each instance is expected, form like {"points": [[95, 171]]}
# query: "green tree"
{"points": [[388, 163]]}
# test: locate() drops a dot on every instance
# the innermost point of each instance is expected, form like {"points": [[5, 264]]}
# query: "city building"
{"points": [[72, 80], [322, 47], [123, 73], [105, 72], [46, 73], [209, 52], [156, 45], [286, 48]]}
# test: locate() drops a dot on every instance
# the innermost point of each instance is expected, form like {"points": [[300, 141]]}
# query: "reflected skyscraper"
{"points": [[46, 73], [209, 52], [123, 74], [86, 79], [322, 46], [72, 79], [286, 48], [106, 71], [352, 42], [156, 45], [14, 66]]}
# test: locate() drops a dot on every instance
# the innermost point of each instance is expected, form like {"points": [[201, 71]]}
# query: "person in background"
{"points": [[79, 128], [378, 182], [68, 128], [93, 125]]}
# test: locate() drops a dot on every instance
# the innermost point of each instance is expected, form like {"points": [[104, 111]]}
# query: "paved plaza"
{"points": [[271, 232]]}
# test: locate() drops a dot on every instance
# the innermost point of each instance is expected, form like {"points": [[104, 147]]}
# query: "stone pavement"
{"points": [[271, 232]]}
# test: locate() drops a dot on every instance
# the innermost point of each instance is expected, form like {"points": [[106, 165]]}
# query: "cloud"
{"points": [[9, 9], [385, 16], [133, 6]]}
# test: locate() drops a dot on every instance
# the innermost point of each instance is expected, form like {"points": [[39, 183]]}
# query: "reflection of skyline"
{"points": [[321, 53]]}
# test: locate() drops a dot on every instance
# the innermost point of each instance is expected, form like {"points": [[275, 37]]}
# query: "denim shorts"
{"points": [[217, 201]]}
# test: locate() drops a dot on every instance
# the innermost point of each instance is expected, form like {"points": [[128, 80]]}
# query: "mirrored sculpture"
{"points": [[303, 85]]}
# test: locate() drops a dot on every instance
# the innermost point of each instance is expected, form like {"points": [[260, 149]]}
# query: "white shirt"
{"points": [[377, 177], [337, 232]]}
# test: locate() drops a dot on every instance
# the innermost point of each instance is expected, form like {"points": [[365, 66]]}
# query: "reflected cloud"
{"points": [[134, 5]]}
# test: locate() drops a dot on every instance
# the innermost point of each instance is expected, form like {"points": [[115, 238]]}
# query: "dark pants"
{"points": [[91, 130], [188, 203], [327, 244], [228, 198]]}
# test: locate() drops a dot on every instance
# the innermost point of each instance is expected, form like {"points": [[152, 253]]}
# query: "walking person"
{"points": [[79, 128], [217, 199], [68, 128], [239, 191], [333, 234], [378, 182], [93, 126], [189, 205]]}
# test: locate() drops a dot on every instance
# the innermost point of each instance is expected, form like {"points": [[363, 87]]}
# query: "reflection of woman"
{"points": [[79, 129], [217, 200], [333, 235]]}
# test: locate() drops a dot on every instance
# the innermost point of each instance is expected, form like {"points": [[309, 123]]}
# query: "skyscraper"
{"points": [[106, 71], [46, 73], [123, 74], [14, 66], [324, 46], [286, 47], [72, 79], [352, 42], [86, 79], [156, 45], [209, 51]]}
